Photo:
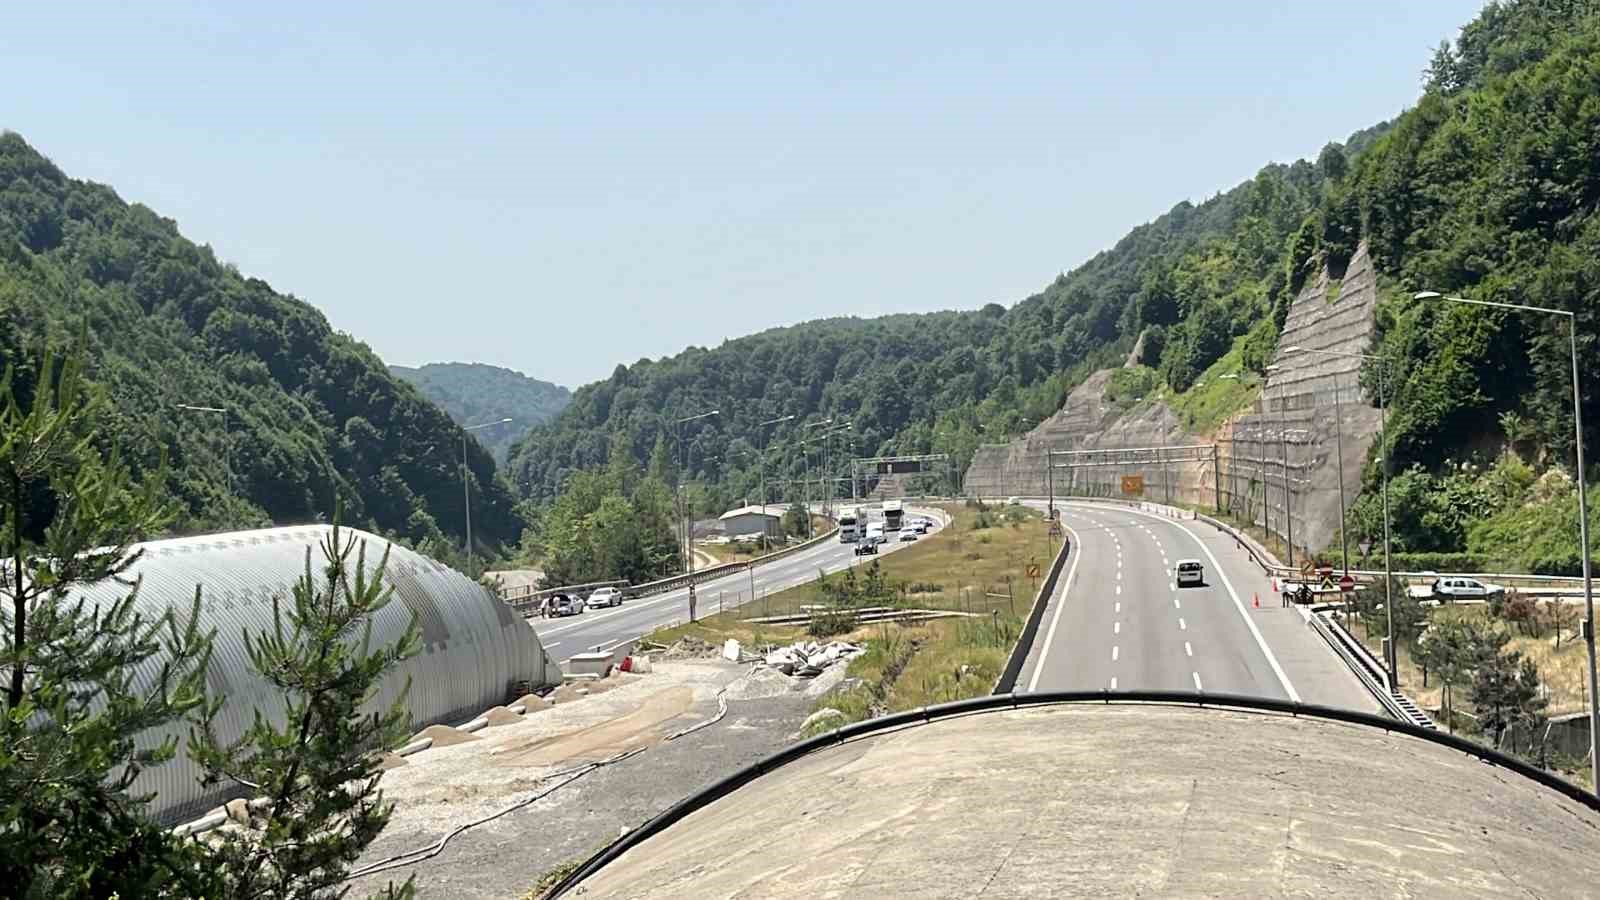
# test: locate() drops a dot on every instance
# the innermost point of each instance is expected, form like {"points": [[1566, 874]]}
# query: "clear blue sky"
{"points": [[561, 187]]}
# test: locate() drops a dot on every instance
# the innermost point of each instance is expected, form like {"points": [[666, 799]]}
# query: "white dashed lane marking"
{"points": [[1188, 650], [1114, 652], [1182, 625], [1197, 681]]}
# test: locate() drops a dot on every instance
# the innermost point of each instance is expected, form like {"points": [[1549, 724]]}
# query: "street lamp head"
{"points": [[1426, 295]]}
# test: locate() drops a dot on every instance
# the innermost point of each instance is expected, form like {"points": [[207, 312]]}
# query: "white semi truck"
{"points": [[893, 514], [850, 525]]}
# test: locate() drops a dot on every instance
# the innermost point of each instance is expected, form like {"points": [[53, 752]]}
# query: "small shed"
{"points": [[752, 521]]}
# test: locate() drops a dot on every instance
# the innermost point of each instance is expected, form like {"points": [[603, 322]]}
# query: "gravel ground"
{"points": [[446, 787]]}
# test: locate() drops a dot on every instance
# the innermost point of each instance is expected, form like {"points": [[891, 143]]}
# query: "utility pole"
{"points": [[466, 490]]}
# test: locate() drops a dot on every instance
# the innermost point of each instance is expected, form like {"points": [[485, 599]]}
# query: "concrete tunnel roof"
{"points": [[1088, 800]]}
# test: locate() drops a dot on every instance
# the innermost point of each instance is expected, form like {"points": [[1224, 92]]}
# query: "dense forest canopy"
{"points": [[312, 417], [481, 394]]}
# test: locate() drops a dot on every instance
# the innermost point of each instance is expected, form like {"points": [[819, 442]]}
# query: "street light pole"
{"points": [[683, 497], [1392, 656], [1583, 508], [1283, 440], [466, 490], [763, 425], [1338, 435], [227, 446]]}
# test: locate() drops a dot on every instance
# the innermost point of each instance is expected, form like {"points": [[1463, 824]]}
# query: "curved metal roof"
{"points": [[475, 650]]}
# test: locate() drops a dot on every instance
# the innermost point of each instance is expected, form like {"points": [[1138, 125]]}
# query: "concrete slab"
{"points": [[1124, 801]]}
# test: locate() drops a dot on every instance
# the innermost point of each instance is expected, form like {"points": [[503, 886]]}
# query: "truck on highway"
{"points": [[850, 521], [893, 514]]}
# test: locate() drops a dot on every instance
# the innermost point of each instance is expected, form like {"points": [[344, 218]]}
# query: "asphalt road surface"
{"points": [[1119, 621], [605, 628]]}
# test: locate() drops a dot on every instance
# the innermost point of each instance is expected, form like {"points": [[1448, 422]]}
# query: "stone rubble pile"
{"points": [[807, 659]]}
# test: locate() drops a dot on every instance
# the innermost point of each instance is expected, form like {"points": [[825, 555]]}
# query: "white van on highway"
{"points": [[1190, 571]]}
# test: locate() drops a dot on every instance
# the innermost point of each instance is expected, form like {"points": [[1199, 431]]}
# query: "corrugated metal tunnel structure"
{"points": [[475, 650]]}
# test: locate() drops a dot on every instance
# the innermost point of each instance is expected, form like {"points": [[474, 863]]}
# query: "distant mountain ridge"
{"points": [[478, 393]]}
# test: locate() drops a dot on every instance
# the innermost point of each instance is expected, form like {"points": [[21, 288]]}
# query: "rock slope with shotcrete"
{"points": [[1310, 403]]}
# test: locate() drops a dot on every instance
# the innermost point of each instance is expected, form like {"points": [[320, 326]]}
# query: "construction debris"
{"points": [[807, 659], [730, 650]]}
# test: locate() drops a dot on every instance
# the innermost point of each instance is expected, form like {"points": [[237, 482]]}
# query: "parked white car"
{"points": [[606, 596]]}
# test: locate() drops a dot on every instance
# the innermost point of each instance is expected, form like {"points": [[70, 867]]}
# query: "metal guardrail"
{"points": [[1367, 669], [1030, 631], [676, 581], [993, 702], [527, 595]]}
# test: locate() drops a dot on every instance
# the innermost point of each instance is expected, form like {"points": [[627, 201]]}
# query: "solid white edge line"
{"points": [[1238, 604], [1055, 620]]}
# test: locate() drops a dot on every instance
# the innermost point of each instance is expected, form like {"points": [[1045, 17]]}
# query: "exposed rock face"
{"points": [[1311, 413]]}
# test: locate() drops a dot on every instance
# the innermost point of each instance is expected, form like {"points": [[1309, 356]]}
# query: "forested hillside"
{"points": [[476, 393], [311, 415], [1196, 279], [1488, 186]]}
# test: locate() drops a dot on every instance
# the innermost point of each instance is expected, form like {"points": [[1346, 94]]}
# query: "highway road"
{"points": [[1119, 621], [604, 628]]}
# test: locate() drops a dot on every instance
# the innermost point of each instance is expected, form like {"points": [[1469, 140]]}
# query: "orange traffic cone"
{"points": [[1255, 600], [1274, 584]]}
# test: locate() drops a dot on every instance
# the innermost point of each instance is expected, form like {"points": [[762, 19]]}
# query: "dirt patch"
{"points": [[640, 727], [499, 715], [391, 761], [532, 703], [575, 690], [445, 736]]}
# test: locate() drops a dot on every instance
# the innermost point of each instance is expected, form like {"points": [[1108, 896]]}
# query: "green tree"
{"points": [[74, 700], [796, 521], [316, 772], [1505, 692]]}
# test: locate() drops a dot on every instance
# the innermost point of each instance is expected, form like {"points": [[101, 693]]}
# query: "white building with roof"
{"points": [[752, 521]]}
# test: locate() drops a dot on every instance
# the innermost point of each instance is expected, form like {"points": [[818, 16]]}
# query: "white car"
{"points": [[1190, 571], [1458, 588], [907, 535], [606, 596]]}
